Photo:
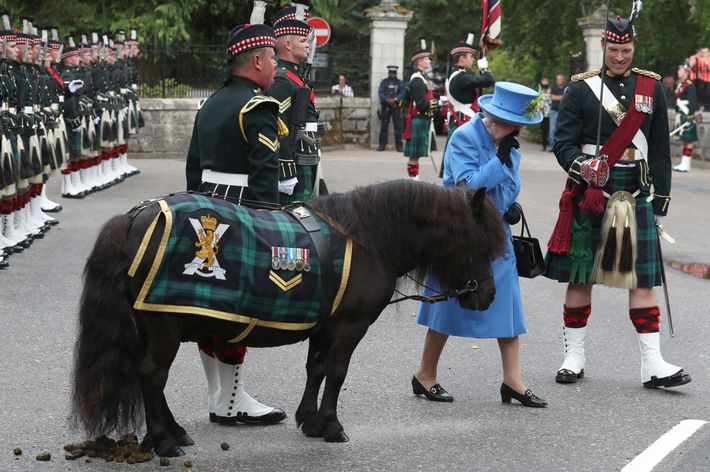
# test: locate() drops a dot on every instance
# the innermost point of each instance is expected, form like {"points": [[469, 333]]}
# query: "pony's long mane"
{"points": [[418, 227]]}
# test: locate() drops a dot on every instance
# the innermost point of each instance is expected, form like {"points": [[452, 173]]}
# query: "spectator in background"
{"points": [[669, 89], [342, 88], [556, 93], [700, 75], [546, 102]]}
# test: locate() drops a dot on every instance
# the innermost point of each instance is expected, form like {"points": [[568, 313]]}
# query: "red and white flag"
{"points": [[490, 24]]}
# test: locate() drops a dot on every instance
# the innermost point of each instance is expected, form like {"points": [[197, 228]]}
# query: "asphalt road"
{"points": [[599, 424]]}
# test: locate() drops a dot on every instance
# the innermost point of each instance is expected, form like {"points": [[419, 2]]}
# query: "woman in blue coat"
{"points": [[484, 153]]}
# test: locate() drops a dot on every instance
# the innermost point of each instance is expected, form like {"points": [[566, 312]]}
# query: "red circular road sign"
{"points": [[321, 28]]}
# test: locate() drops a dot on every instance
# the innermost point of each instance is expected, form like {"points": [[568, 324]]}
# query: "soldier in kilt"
{"points": [[299, 153], [686, 104], [421, 106], [606, 232], [234, 154], [73, 88]]}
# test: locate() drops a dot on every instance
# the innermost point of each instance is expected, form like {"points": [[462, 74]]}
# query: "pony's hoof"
{"points": [[303, 415], [184, 440], [337, 436], [313, 427], [168, 448], [147, 444]]}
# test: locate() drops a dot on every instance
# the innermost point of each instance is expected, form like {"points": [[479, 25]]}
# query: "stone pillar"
{"points": [[592, 28], [388, 22]]}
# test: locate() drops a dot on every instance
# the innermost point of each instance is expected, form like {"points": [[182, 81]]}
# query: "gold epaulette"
{"points": [[647, 73], [585, 75], [254, 102]]}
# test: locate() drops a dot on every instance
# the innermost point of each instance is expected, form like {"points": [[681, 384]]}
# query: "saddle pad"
{"points": [[235, 263]]}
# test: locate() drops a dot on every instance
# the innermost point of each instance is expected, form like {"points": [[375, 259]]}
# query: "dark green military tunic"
{"points": [[576, 126], [237, 132], [297, 158]]}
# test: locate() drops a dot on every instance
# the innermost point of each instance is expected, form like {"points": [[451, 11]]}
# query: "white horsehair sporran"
{"points": [[615, 259]]}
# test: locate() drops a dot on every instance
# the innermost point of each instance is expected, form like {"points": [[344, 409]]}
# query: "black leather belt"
{"points": [[232, 192], [304, 216]]}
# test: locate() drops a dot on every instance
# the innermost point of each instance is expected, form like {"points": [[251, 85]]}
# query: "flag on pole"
{"points": [[490, 24]]}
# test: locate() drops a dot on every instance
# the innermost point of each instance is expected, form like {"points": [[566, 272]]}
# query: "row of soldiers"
{"points": [[66, 108]]}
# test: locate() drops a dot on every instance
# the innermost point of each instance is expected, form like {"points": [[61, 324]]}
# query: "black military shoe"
{"points": [[566, 376], [275, 416], [679, 378]]}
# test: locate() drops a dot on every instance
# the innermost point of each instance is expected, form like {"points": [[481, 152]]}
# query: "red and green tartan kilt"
{"points": [[303, 191], [648, 265], [418, 143]]}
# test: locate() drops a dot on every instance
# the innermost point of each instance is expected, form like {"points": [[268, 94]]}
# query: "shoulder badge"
{"points": [[647, 73], [585, 75], [254, 102]]}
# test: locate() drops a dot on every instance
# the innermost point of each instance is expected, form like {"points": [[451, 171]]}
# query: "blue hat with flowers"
{"points": [[512, 103]]}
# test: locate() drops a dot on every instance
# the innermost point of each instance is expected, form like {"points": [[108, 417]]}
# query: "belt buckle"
{"points": [[629, 155]]}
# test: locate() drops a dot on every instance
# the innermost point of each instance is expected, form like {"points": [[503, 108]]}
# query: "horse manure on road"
{"points": [[187, 463], [44, 456], [164, 461], [17, 451], [125, 449], [225, 446]]}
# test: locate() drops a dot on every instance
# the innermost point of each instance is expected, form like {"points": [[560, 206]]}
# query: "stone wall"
{"points": [[348, 121], [168, 124], [702, 147]]}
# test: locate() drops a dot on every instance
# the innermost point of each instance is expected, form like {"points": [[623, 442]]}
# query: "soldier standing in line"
{"points": [[72, 80], [391, 93], [419, 113], [55, 90], [299, 154], [613, 201], [10, 240], [234, 154]]}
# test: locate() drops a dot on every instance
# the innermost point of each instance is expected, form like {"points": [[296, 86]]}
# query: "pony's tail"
{"points": [[107, 392]]}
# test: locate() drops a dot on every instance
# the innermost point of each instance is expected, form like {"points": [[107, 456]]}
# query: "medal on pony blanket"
{"points": [[290, 258]]}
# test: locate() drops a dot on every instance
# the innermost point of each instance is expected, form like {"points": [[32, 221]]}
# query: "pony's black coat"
{"points": [[122, 356]]}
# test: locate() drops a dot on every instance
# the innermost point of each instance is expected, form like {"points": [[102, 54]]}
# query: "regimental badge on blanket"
{"points": [[644, 104], [209, 233], [290, 258]]}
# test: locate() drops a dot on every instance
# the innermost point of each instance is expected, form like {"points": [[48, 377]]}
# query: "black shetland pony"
{"points": [[122, 356]]}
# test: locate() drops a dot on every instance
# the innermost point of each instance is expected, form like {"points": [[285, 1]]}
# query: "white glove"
{"points": [[482, 63], [97, 120], [134, 87], [287, 186], [658, 219], [75, 85]]}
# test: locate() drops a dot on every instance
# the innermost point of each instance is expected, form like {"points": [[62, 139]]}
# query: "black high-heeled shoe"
{"points": [[527, 399], [436, 393]]}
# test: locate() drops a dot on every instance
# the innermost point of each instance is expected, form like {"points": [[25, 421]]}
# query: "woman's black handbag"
{"points": [[528, 255]]}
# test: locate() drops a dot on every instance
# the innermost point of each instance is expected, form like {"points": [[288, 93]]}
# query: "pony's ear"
{"points": [[477, 200], [461, 183]]}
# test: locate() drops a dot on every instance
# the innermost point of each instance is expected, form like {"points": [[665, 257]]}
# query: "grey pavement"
{"points": [[598, 424]]}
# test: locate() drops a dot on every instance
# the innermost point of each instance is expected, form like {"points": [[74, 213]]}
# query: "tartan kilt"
{"points": [[303, 191], [690, 135], [418, 143], [74, 143], [648, 265]]}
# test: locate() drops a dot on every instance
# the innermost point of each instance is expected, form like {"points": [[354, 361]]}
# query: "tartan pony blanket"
{"points": [[235, 263]]}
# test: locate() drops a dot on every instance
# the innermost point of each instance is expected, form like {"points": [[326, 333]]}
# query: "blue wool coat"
{"points": [[471, 156]]}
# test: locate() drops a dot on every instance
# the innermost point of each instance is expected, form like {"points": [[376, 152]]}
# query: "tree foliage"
{"points": [[541, 37]]}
